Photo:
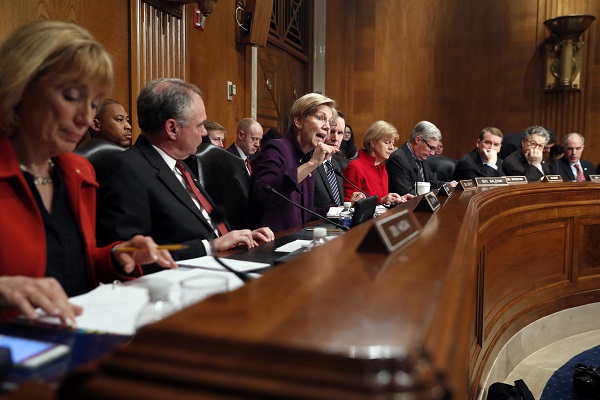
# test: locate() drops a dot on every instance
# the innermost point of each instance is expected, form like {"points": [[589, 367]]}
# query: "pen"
{"points": [[162, 247], [328, 230]]}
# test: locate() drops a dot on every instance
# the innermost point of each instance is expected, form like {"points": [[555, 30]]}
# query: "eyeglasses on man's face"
{"points": [[534, 144], [431, 148]]}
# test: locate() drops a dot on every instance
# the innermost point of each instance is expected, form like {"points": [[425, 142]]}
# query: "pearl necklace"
{"points": [[44, 180]]}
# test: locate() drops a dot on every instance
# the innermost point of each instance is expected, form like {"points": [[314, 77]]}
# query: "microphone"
{"points": [[322, 218], [217, 216], [339, 173]]}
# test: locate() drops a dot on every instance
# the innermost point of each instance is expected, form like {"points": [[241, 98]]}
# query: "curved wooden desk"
{"points": [[426, 320]]}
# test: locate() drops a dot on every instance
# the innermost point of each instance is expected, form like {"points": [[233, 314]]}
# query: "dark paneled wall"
{"points": [[462, 65]]}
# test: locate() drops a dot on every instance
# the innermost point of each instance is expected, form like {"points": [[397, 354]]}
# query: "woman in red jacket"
{"points": [[53, 77]]}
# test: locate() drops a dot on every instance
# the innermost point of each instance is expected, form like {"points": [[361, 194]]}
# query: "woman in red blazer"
{"points": [[53, 76]]}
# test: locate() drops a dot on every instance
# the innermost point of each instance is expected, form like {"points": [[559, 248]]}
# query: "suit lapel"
{"points": [[412, 162], [169, 180]]}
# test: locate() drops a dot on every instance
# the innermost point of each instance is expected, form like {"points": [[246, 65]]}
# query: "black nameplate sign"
{"points": [[595, 178], [515, 180], [390, 233], [466, 184], [552, 178], [445, 190], [428, 203], [493, 181]]}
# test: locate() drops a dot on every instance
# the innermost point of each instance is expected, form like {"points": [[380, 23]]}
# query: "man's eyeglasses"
{"points": [[535, 144], [431, 148]]}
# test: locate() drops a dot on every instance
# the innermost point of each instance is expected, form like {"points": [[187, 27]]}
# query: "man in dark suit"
{"points": [[571, 167], [327, 195], [483, 161], [527, 161], [147, 190], [247, 141], [409, 165]]}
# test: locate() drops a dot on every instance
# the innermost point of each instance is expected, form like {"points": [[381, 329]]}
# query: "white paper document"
{"points": [[113, 308]]}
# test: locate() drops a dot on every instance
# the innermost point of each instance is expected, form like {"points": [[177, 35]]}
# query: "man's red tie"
{"points": [[580, 175], [199, 196], [248, 165]]}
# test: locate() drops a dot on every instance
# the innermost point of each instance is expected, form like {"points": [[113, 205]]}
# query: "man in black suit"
{"points": [[146, 190], [527, 161], [409, 165], [483, 161], [326, 194], [571, 167], [247, 141]]}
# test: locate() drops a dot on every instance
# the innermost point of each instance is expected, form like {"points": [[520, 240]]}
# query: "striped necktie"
{"points": [[335, 191]]}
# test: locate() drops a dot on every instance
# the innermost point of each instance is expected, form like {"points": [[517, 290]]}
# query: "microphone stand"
{"points": [[339, 173], [272, 190]]}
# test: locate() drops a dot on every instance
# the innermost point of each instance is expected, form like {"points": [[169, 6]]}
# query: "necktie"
{"points": [[580, 175], [248, 165], [420, 168], [199, 196], [335, 191]]}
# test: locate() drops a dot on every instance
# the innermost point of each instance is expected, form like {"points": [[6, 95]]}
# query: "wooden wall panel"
{"points": [[107, 20], [215, 58], [462, 65]]}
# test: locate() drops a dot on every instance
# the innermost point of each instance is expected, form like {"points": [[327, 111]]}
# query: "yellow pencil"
{"points": [[161, 247]]}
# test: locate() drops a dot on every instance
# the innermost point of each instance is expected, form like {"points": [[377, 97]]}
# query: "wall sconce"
{"points": [[564, 51], [206, 7]]}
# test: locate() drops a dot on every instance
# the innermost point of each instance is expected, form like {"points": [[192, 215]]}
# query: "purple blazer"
{"points": [[276, 165]]}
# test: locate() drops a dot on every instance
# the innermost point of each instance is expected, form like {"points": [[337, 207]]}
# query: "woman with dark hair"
{"points": [[348, 149]]}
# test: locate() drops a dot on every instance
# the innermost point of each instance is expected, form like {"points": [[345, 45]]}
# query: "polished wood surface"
{"points": [[462, 65], [427, 319]]}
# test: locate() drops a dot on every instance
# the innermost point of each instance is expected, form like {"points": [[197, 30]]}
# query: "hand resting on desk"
{"points": [[243, 237], [26, 294], [147, 254]]}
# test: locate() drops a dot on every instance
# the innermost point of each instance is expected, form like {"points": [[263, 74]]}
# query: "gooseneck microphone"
{"points": [[272, 190], [339, 173], [216, 217]]}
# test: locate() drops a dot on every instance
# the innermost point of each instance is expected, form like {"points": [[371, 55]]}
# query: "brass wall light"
{"points": [[564, 51], [206, 7]]}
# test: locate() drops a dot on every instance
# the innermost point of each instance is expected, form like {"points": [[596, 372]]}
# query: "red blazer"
{"points": [[22, 235]]}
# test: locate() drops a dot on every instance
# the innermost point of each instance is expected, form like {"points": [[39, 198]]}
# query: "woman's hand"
{"points": [[26, 294], [147, 254]]}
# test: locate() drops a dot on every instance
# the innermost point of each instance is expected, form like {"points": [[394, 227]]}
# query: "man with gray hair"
{"points": [[409, 165], [571, 167], [528, 160]]}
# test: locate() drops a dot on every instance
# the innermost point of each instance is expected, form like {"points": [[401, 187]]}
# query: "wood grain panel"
{"points": [[462, 65], [588, 242]]}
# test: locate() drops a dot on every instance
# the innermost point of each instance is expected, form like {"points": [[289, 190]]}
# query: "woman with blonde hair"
{"points": [[368, 171], [53, 77], [287, 164]]}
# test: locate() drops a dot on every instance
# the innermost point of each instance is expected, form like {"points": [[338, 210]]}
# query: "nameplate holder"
{"points": [[445, 190], [428, 203], [390, 233], [552, 178], [595, 178], [515, 180], [493, 181], [466, 184]]}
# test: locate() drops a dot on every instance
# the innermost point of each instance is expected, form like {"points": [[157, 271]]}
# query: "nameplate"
{"points": [[390, 233], [428, 203], [515, 180], [552, 178], [493, 181], [595, 178], [466, 184], [445, 190]]}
